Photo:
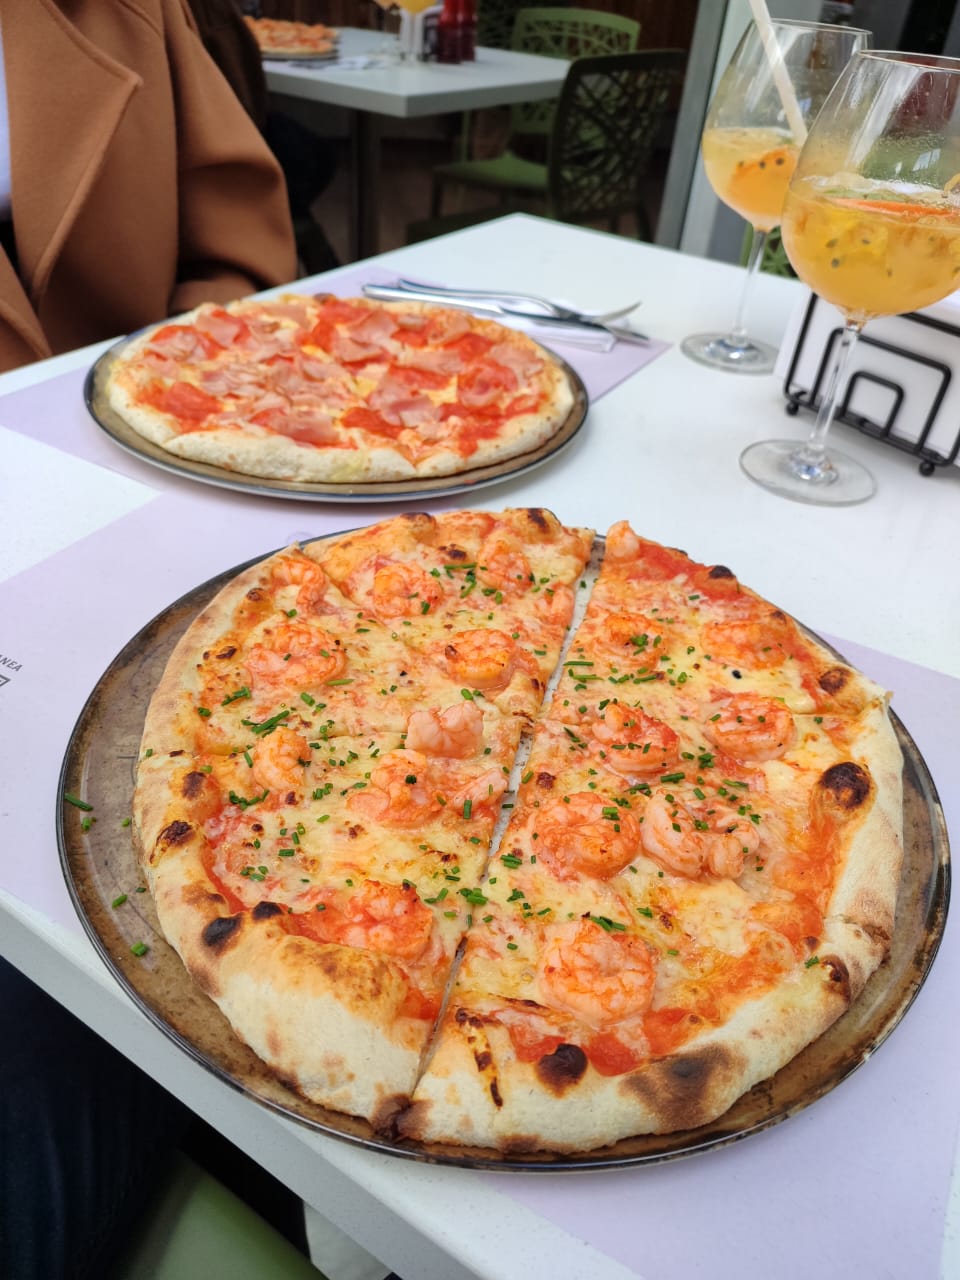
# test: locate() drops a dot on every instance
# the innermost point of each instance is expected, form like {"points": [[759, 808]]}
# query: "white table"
{"points": [[856, 1185], [498, 77]]}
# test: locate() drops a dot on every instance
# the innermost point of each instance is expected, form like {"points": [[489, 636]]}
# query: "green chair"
{"points": [[608, 120], [774, 261], [196, 1227], [551, 33]]}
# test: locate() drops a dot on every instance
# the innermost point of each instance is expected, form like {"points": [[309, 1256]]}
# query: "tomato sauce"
{"points": [[187, 403], [369, 420]]}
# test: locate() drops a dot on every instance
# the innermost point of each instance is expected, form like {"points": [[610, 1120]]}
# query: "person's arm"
{"points": [[235, 231]]}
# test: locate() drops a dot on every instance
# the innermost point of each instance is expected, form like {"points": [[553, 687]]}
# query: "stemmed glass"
{"points": [[749, 151], [872, 224]]}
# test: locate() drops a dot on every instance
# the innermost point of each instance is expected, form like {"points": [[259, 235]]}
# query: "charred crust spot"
{"points": [[495, 1094], [838, 975], [466, 1019], [291, 798], [354, 831], [545, 780], [192, 784], [562, 1068], [266, 911], [449, 857], [834, 679], [846, 784], [483, 1059], [177, 832], [393, 1114], [778, 615], [228, 652], [219, 932], [682, 1089], [454, 553], [178, 752], [537, 516], [521, 1145], [720, 571], [254, 594]]}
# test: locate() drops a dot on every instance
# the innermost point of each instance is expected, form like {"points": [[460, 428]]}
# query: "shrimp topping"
{"points": [[501, 564], [401, 590], [629, 634], [379, 917], [756, 642], [300, 571], [622, 542], [554, 605], [631, 743], [295, 653], [602, 977], [279, 760], [751, 727], [401, 791], [694, 839], [456, 731], [482, 793], [486, 659], [580, 835]]}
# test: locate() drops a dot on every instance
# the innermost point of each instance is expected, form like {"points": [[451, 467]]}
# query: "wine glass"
{"points": [[872, 224], [749, 151]]}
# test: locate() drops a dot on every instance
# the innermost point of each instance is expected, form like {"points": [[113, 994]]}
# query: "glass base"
{"points": [[781, 467], [723, 351]]}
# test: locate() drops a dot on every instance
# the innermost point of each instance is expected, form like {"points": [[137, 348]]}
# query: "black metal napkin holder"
{"points": [[893, 430]]}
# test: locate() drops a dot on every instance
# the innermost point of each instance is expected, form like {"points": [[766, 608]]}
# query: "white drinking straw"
{"points": [[781, 78]]}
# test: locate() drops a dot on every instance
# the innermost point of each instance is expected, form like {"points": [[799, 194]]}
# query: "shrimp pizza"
{"points": [[450, 867], [338, 390]]}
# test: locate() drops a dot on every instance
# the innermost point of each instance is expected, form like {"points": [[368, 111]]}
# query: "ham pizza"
{"points": [[339, 390]]}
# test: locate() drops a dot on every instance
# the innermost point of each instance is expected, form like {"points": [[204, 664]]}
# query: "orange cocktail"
{"points": [[749, 169], [875, 251]]}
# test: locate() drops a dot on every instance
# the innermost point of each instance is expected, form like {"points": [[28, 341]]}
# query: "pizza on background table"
{"points": [[339, 390], [283, 38], [449, 867]]}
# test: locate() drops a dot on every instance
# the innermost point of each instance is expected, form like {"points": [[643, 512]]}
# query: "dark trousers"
{"points": [[85, 1139]]}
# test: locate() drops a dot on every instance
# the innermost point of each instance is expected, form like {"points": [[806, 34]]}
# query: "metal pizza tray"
{"points": [[100, 866], [94, 394]]}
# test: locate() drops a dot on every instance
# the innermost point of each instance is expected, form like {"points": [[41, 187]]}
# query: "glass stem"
{"points": [[813, 452], [738, 335]]}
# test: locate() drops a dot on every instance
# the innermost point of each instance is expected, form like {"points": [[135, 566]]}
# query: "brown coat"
{"points": [[140, 187]]}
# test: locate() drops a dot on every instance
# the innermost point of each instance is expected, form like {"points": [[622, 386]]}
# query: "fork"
{"points": [[488, 305], [550, 308]]}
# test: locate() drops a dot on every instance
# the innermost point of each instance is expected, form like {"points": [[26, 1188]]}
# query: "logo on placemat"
{"points": [[10, 664]]}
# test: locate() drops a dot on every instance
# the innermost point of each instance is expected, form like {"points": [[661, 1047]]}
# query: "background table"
{"points": [[498, 77], [856, 1185]]}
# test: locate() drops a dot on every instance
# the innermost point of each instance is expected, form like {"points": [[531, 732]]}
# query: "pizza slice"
{"points": [[318, 893]]}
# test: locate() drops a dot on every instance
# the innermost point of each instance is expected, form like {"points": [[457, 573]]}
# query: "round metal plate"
{"points": [[121, 433], [99, 866]]}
